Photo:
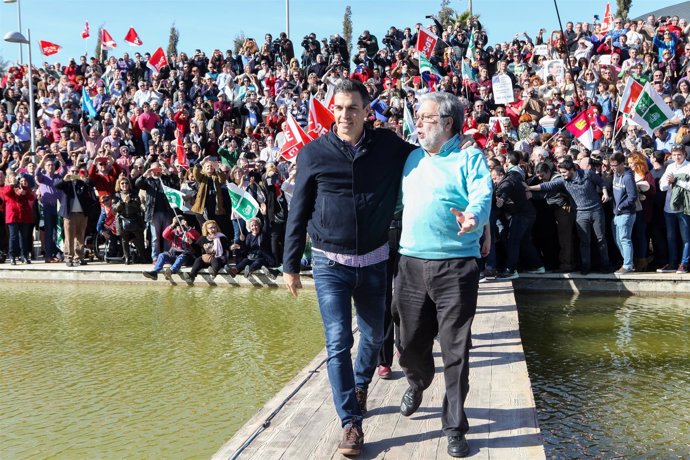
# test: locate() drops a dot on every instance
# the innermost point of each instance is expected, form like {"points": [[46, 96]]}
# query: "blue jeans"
{"points": [[19, 236], [622, 226], [586, 221], [336, 287], [677, 231], [159, 221], [176, 261], [50, 221]]}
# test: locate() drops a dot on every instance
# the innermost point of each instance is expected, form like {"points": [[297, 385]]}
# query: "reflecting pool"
{"points": [[119, 371], [610, 375]]}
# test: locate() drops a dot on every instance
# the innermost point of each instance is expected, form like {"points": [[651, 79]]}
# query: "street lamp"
{"points": [[19, 25], [17, 37]]}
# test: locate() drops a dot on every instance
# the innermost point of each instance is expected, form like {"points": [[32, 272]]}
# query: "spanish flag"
{"points": [[581, 129]]}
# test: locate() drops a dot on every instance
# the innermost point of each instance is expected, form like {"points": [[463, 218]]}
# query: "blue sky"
{"points": [[209, 24]]}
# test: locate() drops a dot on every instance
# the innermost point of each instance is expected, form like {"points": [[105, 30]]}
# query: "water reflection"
{"points": [[142, 372], [611, 376]]}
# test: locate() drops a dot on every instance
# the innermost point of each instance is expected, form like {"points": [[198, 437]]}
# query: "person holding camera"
{"points": [[368, 42], [157, 207], [19, 216], [47, 178], [181, 237], [129, 219], [77, 200]]}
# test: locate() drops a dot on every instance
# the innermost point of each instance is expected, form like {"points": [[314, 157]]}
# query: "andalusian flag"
{"points": [[467, 73], [581, 129], [471, 48], [409, 127], [175, 198], [650, 110], [243, 203]]}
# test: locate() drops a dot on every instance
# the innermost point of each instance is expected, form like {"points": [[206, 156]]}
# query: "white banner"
{"points": [[555, 68], [502, 87]]}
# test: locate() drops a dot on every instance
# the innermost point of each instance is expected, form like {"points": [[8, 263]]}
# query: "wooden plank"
{"points": [[500, 404]]}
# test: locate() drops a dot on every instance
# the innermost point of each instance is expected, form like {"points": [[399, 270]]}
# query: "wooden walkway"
{"points": [[500, 405]]}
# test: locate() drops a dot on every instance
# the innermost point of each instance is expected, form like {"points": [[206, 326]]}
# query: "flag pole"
{"points": [[555, 136], [567, 59]]}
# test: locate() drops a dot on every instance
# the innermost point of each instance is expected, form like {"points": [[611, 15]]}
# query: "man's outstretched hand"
{"points": [[466, 221]]}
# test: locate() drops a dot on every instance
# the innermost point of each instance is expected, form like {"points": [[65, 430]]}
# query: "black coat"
{"points": [[344, 200]]}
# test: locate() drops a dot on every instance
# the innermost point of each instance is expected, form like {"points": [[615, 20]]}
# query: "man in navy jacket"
{"points": [[624, 209], [345, 193]]}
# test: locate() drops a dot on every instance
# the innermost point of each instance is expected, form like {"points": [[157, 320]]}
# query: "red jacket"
{"points": [[19, 208], [104, 184]]}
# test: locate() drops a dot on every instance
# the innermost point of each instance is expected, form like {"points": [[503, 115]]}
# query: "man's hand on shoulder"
{"points": [[292, 283]]}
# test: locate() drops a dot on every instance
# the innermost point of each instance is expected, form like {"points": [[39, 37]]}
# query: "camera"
{"points": [[276, 46], [361, 41], [388, 39], [306, 41]]}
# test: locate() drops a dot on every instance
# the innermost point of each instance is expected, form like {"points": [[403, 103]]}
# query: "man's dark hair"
{"points": [[499, 170], [543, 167], [567, 163], [353, 86], [659, 156], [617, 157], [513, 158]]}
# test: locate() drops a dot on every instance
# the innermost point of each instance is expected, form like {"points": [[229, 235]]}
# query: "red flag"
{"points": [[180, 150], [329, 98], [133, 38], [320, 119], [596, 121], [48, 48], [295, 139], [107, 40], [496, 127], [157, 61], [607, 22], [581, 128], [86, 33], [630, 94], [426, 42]]}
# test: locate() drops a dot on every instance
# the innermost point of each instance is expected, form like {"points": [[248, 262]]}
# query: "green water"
{"points": [[142, 372], [611, 376]]}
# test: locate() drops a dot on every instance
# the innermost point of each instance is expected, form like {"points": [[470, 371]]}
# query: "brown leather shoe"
{"points": [[352, 441]]}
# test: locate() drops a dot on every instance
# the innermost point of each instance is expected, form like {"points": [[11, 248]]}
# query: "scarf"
{"points": [[217, 245]]}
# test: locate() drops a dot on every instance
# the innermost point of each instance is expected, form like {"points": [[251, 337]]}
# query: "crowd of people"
{"points": [[103, 177]]}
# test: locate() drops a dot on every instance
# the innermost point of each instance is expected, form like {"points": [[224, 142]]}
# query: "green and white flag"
{"points": [[471, 48], [242, 202], [409, 127], [175, 198], [650, 111], [467, 73]]}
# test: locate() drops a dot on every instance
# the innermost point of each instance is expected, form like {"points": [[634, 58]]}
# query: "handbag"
{"points": [[129, 225]]}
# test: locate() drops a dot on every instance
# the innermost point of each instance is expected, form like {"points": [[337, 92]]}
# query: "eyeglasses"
{"points": [[428, 118]]}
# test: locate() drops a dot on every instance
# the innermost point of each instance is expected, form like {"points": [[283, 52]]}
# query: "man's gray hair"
{"points": [[448, 106]]}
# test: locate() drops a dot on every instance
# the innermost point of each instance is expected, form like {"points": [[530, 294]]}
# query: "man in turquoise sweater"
{"points": [[446, 198]]}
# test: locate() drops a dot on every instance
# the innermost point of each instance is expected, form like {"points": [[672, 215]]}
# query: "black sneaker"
{"points": [[150, 275], [507, 275], [352, 441], [458, 447]]}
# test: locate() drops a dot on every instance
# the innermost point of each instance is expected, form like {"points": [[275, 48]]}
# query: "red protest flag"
{"points": [[631, 92], [48, 48], [607, 22], [180, 150], [426, 42], [86, 33], [295, 139], [496, 126], [581, 128], [107, 40], [157, 61], [320, 119], [133, 38]]}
